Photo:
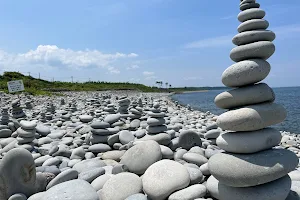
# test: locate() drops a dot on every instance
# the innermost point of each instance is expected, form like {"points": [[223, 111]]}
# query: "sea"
{"points": [[289, 97]]}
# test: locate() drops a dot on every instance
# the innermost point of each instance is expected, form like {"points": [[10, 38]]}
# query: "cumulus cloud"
{"points": [[147, 73], [53, 56], [132, 67]]}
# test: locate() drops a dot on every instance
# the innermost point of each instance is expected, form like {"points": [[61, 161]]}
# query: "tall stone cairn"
{"points": [[251, 168]]}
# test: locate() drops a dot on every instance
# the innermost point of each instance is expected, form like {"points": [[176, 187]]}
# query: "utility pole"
{"points": [[72, 78], [39, 75]]}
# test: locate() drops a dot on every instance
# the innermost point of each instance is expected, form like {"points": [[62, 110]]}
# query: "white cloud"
{"points": [[146, 73], [191, 78], [211, 42], [132, 67], [228, 17], [48, 56]]}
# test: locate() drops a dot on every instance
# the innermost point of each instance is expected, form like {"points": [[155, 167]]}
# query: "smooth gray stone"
{"points": [[101, 132], [295, 175], [196, 175], [275, 190], [155, 121], [18, 173], [248, 95], [121, 186], [92, 174], [204, 169], [64, 176], [39, 161], [246, 72], [125, 137], [256, 50], [5, 141], [139, 157], [188, 139], [18, 197], [156, 115], [89, 155], [167, 153], [252, 118], [295, 191], [74, 189], [44, 140], [211, 126], [135, 123], [99, 148], [73, 162], [140, 133], [253, 24], [137, 197], [5, 133], [99, 182], [113, 139], [86, 118], [100, 124], [189, 193], [87, 165], [194, 158], [253, 36], [112, 118], [48, 169], [246, 6], [161, 138], [95, 139], [119, 168], [37, 196], [163, 178], [112, 155], [56, 134], [156, 129], [118, 123], [197, 150], [51, 161], [246, 170], [63, 151], [212, 134], [78, 153], [249, 142], [42, 179], [29, 125], [179, 154], [253, 13], [246, 1]]}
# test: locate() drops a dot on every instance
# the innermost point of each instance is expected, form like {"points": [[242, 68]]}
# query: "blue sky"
{"points": [[185, 43]]}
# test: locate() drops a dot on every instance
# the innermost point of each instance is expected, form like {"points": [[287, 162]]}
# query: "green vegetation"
{"points": [[193, 89], [43, 87]]}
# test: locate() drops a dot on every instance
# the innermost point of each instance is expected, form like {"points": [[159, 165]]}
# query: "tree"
{"points": [[170, 86]]}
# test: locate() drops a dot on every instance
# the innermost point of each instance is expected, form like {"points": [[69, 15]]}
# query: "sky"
{"points": [[182, 42]]}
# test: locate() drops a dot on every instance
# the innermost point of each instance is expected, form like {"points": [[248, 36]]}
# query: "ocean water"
{"points": [[289, 97]]}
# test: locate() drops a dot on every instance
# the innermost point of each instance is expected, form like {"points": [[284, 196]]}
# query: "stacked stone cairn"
{"points": [[4, 116], [156, 121], [212, 132], [100, 133], [17, 111], [250, 168], [42, 117], [124, 103], [62, 101], [28, 104], [26, 133]]}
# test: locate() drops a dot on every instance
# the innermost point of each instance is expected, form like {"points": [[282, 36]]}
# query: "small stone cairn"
{"points": [[28, 104], [100, 133], [124, 103], [26, 133], [17, 111], [250, 168], [4, 116], [156, 121]]}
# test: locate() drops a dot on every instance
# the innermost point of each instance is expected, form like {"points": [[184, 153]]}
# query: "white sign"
{"points": [[15, 86]]}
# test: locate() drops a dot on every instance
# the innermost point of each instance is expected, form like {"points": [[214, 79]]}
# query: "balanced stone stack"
{"points": [[26, 133], [42, 117], [4, 116], [100, 133], [62, 101], [251, 168], [156, 121], [50, 107], [17, 111], [28, 104], [124, 103]]}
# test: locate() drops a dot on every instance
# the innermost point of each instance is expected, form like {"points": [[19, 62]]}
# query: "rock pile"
{"points": [[156, 121], [4, 116], [26, 133], [250, 168], [17, 111], [124, 103]]}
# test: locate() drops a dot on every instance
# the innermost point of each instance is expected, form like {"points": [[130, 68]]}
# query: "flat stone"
{"points": [[92, 174], [140, 133], [25, 133], [253, 36], [51, 161], [244, 96], [253, 13], [18, 173], [163, 178], [246, 72], [86, 165], [135, 123], [42, 130], [246, 170], [86, 118], [275, 190], [121, 186], [256, 50], [156, 129], [112, 118], [99, 148], [246, 6], [5, 133], [18, 197], [167, 153], [155, 121], [212, 134], [29, 125], [101, 132], [156, 115], [188, 139], [113, 155], [249, 142], [195, 158], [78, 153], [253, 24], [57, 134], [74, 189], [64, 176], [48, 169], [100, 125], [252, 117], [189, 193], [139, 157], [99, 182], [160, 138], [95, 139], [196, 175], [125, 137]]}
